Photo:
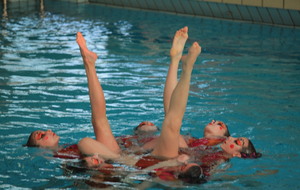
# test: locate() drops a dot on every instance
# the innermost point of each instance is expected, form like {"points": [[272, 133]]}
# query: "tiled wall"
{"points": [[18, 6], [278, 12]]}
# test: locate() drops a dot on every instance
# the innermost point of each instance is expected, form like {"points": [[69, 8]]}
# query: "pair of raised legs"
{"points": [[176, 93]]}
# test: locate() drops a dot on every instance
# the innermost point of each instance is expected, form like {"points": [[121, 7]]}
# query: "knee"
{"points": [[84, 142]]}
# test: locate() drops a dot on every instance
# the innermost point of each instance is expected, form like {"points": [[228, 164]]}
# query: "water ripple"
{"points": [[249, 81]]}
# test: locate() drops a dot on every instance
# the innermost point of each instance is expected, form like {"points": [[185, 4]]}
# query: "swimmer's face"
{"points": [[94, 161], [233, 146], [146, 126], [215, 128], [44, 138]]}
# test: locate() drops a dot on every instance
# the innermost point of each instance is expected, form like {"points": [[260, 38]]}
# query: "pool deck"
{"points": [[272, 12]]}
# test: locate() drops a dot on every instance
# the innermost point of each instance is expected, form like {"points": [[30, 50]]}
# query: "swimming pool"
{"points": [[247, 76]]}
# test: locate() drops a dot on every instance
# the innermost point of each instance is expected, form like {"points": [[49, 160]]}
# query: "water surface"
{"points": [[246, 76]]}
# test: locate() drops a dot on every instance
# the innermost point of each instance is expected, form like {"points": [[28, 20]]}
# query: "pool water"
{"points": [[248, 76]]}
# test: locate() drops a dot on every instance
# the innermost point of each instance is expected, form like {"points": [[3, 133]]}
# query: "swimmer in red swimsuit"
{"points": [[106, 143], [48, 139]]}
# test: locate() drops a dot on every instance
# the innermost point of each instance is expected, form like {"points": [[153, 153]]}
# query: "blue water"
{"points": [[248, 76]]}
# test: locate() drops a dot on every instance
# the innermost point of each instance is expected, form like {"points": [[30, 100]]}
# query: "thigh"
{"points": [[90, 146], [168, 142]]}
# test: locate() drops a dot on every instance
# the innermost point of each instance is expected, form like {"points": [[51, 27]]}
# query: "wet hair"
{"points": [[83, 163], [250, 152], [193, 175], [30, 141]]}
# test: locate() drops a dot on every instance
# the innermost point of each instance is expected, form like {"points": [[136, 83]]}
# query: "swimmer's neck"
{"points": [[214, 137]]}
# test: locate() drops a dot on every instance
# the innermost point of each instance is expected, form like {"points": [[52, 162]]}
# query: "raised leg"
{"points": [[100, 122], [168, 141], [179, 40]]}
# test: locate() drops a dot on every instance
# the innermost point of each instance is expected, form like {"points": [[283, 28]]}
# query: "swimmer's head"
{"points": [[192, 173], [216, 128], [146, 127], [94, 161], [250, 152], [239, 147], [43, 139]]}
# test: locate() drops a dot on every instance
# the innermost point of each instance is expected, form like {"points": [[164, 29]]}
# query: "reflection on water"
{"points": [[247, 76]]}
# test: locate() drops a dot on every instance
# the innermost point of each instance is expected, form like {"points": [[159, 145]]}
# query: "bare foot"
{"points": [[179, 40], [88, 56], [190, 59]]}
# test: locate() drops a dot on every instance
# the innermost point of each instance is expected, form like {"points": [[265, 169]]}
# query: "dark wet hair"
{"points": [[250, 152], [193, 175], [30, 141]]}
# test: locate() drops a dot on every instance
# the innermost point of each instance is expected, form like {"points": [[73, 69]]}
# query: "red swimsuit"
{"points": [[70, 152], [162, 173], [193, 142], [210, 160]]}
